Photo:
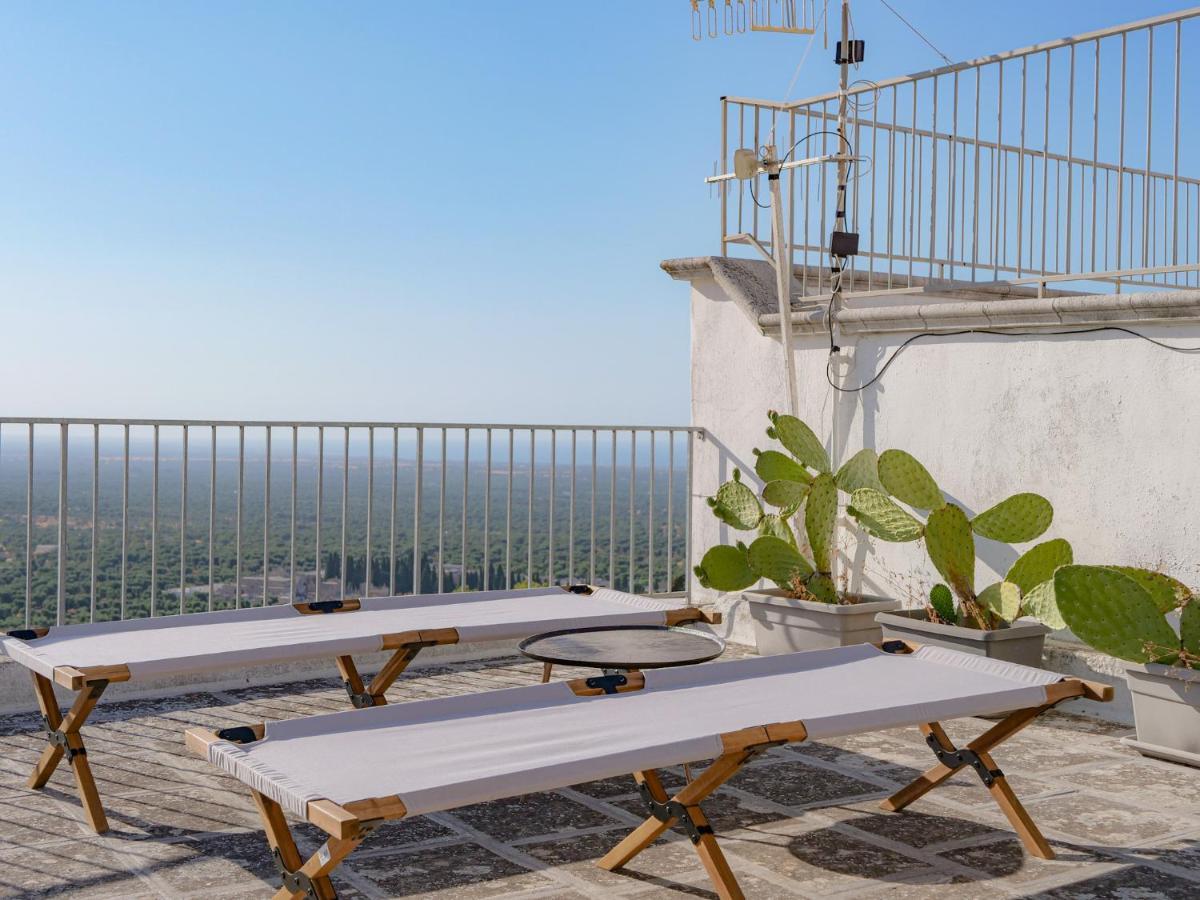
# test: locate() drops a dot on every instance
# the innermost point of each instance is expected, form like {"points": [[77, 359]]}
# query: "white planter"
{"points": [[784, 624], [1022, 642], [1166, 708]]}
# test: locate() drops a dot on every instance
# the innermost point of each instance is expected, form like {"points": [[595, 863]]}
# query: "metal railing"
{"points": [[112, 518], [1065, 161]]}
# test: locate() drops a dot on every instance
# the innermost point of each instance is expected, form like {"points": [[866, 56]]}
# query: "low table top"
{"points": [[623, 647]]}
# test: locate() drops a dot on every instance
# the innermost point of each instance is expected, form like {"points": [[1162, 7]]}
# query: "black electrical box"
{"points": [[858, 51], [843, 243]]}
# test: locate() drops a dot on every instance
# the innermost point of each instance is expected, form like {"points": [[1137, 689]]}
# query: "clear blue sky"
{"points": [[401, 211]]}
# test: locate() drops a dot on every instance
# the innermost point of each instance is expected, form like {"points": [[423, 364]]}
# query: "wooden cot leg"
{"points": [[364, 696], [287, 856], [547, 668], [64, 739], [976, 755], [667, 811], [316, 869]]}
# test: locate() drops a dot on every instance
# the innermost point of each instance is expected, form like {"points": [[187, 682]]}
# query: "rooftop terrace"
{"points": [[801, 821]]}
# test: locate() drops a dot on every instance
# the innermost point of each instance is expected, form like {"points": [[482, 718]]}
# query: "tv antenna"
{"points": [[750, 163]]}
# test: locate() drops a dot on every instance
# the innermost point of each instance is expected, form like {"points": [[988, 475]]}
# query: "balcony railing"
{"points": [[1069, 161], [109, 518]]}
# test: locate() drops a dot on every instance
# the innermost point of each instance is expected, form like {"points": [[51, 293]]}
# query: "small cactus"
{"points": [[1115, 614], [725, 568], [942, 602], [771, 465], [860, 471], [800, 441], [909, 481], [736, 505], [777, 560], [819, 517], [879, 516], [1020, 518]]}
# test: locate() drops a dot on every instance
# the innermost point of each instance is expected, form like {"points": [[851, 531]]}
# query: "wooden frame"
{"points": [[64, 737], [348, 824]]}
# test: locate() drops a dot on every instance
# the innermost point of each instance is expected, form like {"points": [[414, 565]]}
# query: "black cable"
{"points": [[754, 196], [932, 334], [813, 134]]}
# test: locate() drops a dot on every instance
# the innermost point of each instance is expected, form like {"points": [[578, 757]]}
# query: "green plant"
{"points": [[949, 536], [798, 487], [1123, 612]]}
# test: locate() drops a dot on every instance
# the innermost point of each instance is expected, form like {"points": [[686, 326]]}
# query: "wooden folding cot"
{"points": [[346, 773], [87, 658]]}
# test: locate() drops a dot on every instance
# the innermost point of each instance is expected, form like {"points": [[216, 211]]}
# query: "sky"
{"points": [[404, 211]]}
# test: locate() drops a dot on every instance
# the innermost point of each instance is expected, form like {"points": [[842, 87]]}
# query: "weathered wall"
{"points": [[1106, 426]]}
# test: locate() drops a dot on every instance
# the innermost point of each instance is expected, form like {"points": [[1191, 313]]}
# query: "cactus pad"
{"points": [[1002, 599], [942, 602], [1189, 630], [879, 516], [1020, 518], [821, 587], [860, 471], [777, 560], [778, 527], [736, 505], [771, 465], [1042, 604], [725, 568], [1114, 614], [951, 548], [909, 481], [819, 517], [787, 495], [1165, 591], [1037, 564], [800, 441]]}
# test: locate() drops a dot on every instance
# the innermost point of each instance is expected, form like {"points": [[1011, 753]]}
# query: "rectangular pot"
{"points": [[1022, 642], [1166, 709], [784, 624]]}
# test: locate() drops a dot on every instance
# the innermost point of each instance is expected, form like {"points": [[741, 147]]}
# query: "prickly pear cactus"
{"points": [[1037, 564], [942, 602], [736, 505], [725, 568], [771, 465], [821, 587], [1189, 630], [860, 471], [777, 526], [819, 517], [1165, 591], [787, 495], [1114, 614], [777, 560], [909, 481], [1020, 518], [951, 548], [1002, 599], [799, 440], [879, 516], [1042, 604]]}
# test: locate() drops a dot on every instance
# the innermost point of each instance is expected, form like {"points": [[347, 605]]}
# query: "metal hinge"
{"points": [[957, 759], [673, 809]]}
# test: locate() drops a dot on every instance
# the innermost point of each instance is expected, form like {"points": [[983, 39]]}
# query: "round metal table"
{"points": [[622, 648]]}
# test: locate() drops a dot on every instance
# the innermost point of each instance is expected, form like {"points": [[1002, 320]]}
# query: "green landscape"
{"points": [[524, 560]]}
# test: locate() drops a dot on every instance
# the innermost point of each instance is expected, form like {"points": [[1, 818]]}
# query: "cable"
{"points": [[915, 31], [932, 334]]}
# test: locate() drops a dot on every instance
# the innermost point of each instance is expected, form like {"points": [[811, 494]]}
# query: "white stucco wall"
{"points": [[1106, 426]]}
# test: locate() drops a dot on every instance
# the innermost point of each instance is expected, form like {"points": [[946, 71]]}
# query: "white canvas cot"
{"points": [[87, 658], [347, 772]]}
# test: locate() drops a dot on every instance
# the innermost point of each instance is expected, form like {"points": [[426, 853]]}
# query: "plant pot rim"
{"points": [[778, 597], [1158, 670], [918, 618]]}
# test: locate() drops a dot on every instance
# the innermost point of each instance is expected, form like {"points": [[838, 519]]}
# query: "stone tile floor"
{"points": [[802, 821]]}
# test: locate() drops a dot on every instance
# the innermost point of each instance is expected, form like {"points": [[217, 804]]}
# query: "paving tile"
{"points": [[81, 868], [1127, 883], [725, 811], [799, 784], [530, 816], [1102, 820], [1144, 782], [175, 812], [1007, 862], [625, 784], [468, 870], [578, 855], [920, 827]]}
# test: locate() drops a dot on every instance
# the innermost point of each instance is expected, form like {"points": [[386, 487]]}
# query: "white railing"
{"points": [[1068, 161], [111, 518]]}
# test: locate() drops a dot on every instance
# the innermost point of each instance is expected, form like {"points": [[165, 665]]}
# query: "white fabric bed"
{"points": [[198, 642], [448, 752]]}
